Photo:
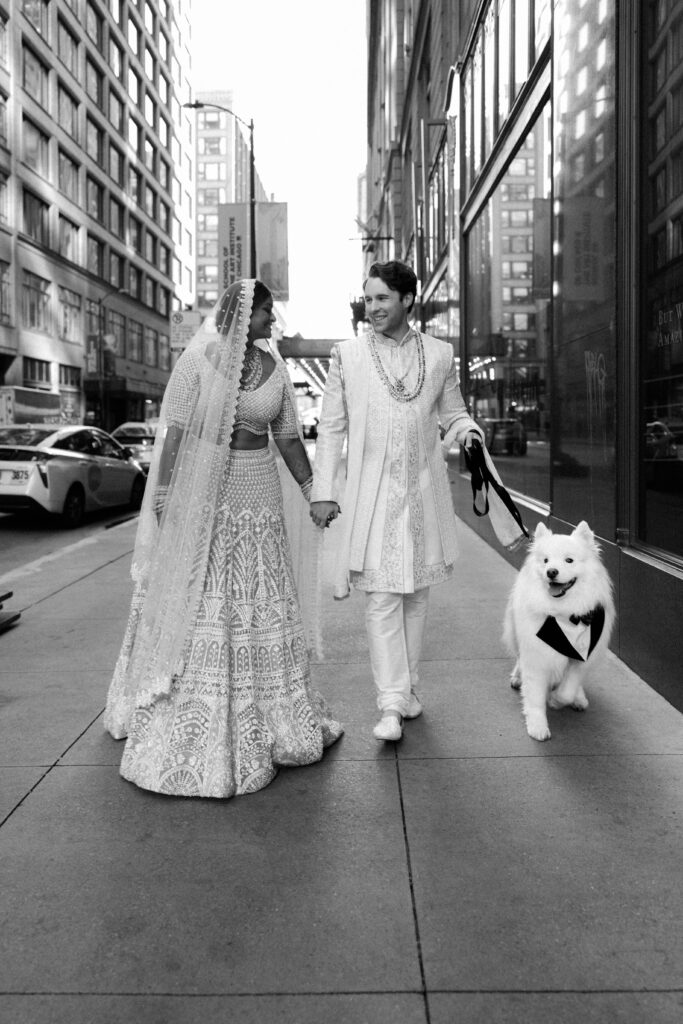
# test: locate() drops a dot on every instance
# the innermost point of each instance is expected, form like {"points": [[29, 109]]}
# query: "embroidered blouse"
{"points": [[269, 404]]}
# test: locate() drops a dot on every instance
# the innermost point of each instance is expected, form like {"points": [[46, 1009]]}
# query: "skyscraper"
{"points": [[96, 204]]}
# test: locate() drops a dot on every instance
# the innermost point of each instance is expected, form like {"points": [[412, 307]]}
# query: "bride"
{"points": [[212, 685]]}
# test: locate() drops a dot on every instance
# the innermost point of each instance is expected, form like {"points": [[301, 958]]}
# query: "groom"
{"points": [[389, 392]]}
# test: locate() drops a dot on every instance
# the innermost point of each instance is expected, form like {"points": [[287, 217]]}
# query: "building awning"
{"points": [[123, 386]]}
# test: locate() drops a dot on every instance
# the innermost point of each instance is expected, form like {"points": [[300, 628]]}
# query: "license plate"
{"points": [[14, 476]]}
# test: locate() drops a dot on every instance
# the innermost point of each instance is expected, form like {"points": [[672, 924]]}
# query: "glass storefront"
{"points": [[584, 340], [570, 146], [507, 242], [508, 316], [661, 336]]}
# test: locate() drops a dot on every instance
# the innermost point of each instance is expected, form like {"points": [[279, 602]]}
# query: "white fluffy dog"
{"points": [[558, 622]]}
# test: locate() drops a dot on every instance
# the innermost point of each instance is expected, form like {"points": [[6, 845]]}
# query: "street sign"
{"points": [[183, 326]]}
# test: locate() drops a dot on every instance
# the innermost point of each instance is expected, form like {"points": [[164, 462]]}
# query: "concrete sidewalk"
{"points": [[467, 874]]}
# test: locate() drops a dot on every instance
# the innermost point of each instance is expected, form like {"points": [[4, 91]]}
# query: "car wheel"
{"points": [[73, 512], [137, 493]]}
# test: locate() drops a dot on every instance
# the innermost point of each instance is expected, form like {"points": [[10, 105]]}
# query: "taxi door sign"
{"points": [[183, 327]]}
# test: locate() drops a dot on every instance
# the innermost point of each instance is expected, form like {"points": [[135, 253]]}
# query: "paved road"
{"points": [[24, 539]]}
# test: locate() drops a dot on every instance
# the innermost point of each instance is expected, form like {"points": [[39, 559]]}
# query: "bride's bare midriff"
{"points": [[245, 441]]}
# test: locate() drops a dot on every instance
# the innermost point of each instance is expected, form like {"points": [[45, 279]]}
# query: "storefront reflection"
{"points": [[508, 302], [584, 340]]}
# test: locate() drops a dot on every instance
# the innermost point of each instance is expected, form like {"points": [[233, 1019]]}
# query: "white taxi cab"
{"points": [[66, 471]]}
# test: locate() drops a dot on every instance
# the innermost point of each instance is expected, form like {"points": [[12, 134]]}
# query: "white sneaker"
{"points": [[389, 727], [414, 709]]}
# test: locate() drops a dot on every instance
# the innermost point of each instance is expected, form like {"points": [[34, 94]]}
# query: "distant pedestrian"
{"points": [[390, 393], [212, 686]]}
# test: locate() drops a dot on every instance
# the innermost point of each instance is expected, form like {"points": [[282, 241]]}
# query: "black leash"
{"points": [[481, 481]]}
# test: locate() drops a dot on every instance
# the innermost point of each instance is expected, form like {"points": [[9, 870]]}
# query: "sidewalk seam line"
{"points": [[48, 770], [416, 923], [347, 992]]}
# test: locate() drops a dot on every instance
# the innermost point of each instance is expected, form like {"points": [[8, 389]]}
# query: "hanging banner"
{"points": [[233, 243], [234, 250], [271, 248]]}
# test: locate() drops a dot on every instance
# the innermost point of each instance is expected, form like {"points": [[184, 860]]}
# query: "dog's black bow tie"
{"points": [[586, 619]]}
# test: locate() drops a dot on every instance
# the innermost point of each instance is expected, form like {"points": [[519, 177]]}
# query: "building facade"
{"points": [[223, 161], [96, 205], [527, 157]]}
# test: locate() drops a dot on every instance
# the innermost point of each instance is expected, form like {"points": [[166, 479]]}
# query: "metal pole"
{"points": [[101, 312], [100, 362], [252, 199]]}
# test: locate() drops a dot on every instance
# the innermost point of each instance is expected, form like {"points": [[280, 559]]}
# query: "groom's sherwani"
{"points": [[397, 523]]}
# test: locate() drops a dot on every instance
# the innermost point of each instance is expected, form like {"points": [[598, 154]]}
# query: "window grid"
{"points": [[35, 302], [36, 373], [5, 309]]}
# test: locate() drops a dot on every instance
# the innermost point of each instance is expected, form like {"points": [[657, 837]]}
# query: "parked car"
{"points": [[66, 471], [506, 436], [310, 420], [660, 442], [139, 437], [136, 427]]}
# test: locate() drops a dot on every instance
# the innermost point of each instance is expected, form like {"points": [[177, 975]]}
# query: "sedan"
{"points": [[66, 471], [139, 437]]}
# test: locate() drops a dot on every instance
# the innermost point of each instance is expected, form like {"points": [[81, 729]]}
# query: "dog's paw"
{"points": [[515, 678], [537, 726], [580, 702], [554, 702]]}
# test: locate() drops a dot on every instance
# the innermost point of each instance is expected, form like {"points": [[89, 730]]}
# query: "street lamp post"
{"points": [[249, 125], [104, 412]]}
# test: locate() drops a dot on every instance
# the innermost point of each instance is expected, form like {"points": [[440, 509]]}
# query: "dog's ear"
{"points": [[584, 532], [541, 531]]}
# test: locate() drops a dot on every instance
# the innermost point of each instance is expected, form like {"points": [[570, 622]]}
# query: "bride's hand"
{"points": [[324, 512]]}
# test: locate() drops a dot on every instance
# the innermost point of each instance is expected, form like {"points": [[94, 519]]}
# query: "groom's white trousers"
{"points": [[395, 627]]}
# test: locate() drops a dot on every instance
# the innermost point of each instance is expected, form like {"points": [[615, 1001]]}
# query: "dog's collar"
{"points": [[551, 633], [567, 586]]}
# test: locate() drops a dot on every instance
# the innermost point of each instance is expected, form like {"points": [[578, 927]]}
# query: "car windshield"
{"points": [[29, 436]]}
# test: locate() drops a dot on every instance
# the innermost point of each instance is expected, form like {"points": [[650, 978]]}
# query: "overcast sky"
{"points": [[298, 67]]}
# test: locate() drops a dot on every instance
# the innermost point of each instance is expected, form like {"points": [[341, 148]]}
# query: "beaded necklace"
{"points": [[395, 385], [252, 371]]}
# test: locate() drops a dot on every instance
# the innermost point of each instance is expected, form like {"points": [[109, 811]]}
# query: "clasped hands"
{"points": [[323, 512]]}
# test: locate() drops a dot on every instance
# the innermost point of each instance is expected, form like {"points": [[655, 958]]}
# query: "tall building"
{"points": [[223, 160], [527, 157], [96, 205]]}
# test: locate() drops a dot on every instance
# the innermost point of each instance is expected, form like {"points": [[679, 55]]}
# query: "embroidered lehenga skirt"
{"points": [[241, 704]]}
